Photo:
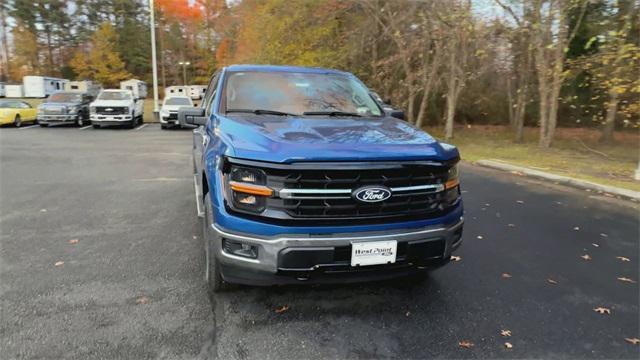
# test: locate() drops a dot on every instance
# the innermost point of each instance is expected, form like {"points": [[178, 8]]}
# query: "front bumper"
{"points": [[48, 119], [170, 120], [291, 259], [114, 119]]}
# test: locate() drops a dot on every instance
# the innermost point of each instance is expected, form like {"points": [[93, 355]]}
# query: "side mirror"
{"points": [[398, 114], [191, 116]]}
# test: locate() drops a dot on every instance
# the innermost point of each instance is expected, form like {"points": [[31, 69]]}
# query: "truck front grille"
{"points": [[112, 110], [324, 191]]}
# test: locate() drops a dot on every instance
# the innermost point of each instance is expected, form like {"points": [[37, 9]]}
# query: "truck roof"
{"points": [[283, 68]]}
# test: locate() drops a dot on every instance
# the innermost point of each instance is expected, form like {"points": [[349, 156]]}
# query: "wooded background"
{"points": [[545, 63]]}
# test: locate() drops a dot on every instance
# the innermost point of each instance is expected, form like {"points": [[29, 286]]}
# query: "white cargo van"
{"points": [[137, 87], [42, 86], [171, 91], [84, 86]]}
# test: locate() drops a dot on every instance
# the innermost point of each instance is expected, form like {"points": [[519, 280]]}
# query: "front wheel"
{"points": [[96, 126], [17, 121], [212, 275], [81, 121]]}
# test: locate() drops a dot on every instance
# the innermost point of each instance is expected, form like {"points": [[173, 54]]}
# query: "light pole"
{"points": [[184, 71], [154, 65]]}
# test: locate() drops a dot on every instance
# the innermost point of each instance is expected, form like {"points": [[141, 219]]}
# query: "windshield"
{"points": [[65, 97], [298, 93], [177, 101], [114, 95]]}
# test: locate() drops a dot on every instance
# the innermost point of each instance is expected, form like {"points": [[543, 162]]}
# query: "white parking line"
{"points": [[140, 127], [28, 127], [85, 128]]}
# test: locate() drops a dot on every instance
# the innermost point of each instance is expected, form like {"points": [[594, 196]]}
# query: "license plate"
{"points": [[373, 252]]}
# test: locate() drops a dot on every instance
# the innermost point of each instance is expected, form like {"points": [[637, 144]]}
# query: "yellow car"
{"points": [[17, 112]]}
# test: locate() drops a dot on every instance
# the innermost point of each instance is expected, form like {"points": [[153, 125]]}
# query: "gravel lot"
{"points": [[101, 257]]}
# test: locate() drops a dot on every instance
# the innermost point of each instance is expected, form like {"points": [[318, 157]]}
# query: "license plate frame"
{"points": [[366, 253]]}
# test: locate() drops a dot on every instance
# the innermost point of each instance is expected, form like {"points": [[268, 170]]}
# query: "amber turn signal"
{"points": [[250, 189], [451, 183]]}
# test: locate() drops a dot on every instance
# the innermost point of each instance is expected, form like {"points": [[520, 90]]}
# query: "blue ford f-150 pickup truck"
{"points": [[301, 177]]}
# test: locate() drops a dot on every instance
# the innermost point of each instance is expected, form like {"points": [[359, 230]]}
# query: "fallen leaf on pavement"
{"points": [[142, 300], [511, 225], [408, 313], [508, 345], [602, 310], [505, 333], [480, 237], [595, 245], [634, 341], [194, 237], [73, 241], [622, 258], [465, 344], [520, 201], [577, 228], [282, 309], [586, 257], [506, 275], [551, 281], [604, 235], [626, 279], [59, 263], [455, 258], [43, 210]]}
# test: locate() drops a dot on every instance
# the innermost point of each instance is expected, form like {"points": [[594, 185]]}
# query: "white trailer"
{"points": [[137, 87], [176, 91], [85, 86], [13, 91], [197, 91], [42, 86], [2, 90]]}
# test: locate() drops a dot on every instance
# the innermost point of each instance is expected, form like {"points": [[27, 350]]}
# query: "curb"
{"points": [[582, 184]]}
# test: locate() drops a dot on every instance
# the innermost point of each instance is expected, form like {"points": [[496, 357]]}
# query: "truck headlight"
{"points": [[248, 190], [452, 186], [73, 110]]}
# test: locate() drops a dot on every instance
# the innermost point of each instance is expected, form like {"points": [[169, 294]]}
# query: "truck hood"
{"points": [[286, 139], [172, 107], [111, 103], [58, 105]]}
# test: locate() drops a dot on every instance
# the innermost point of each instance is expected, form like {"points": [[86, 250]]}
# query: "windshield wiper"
{"points": [[260, 112], [331, 113]]}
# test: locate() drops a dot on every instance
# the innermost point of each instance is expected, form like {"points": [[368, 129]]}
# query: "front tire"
{"points": [[17, 121], [213, 275], [96, 126]]}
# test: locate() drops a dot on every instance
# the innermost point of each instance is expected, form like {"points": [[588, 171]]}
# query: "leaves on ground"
{"points": [[603, 235], [505, 333], [465, 344], [282, 309], [551, 281], [73, 241], [622, 258], [508, 345], [595, 245], [142, 300], [480, 237], [520, 201], [511, 225], [586, 257], [43, 210], [59, 263], [627, 280], [455, 258], [602, 310], [577, 228], [506, 276], [407, 313], [633, 341]]}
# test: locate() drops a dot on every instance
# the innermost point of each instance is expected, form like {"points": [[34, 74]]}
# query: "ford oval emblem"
{"points": [[372, 194]]}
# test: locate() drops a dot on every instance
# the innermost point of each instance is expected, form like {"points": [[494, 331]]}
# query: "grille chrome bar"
{"points": [[288, 193]]}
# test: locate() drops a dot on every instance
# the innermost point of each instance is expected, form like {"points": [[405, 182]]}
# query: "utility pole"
{"points": [[154, 65], [184, 71]]}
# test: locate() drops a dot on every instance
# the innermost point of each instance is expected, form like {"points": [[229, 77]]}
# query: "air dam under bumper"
{"points": [[327, 258], [50, 119]]}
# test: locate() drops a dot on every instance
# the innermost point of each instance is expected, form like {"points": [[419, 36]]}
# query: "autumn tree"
{"points": [[102, 63]]}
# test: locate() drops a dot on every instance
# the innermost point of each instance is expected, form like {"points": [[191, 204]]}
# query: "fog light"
{"points": [[240, 249]]}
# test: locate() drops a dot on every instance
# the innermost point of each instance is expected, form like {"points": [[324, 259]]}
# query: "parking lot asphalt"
{"points": [[101, 257]]}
